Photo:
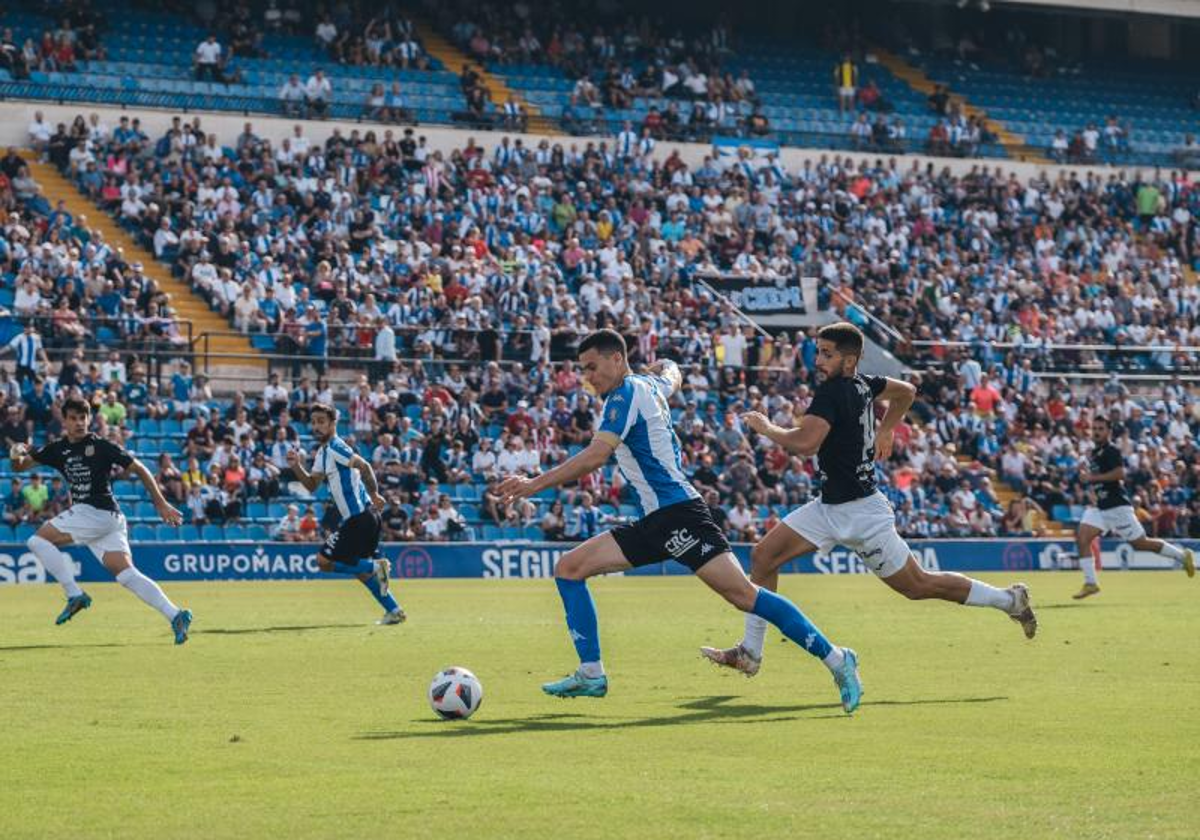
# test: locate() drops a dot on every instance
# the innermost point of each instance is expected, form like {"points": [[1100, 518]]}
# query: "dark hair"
{"points": [[603, 341], [846, 337], [322, 408], [74, 406], [1100, 418]]}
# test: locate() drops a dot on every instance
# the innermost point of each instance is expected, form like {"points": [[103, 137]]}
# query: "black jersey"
{"points": [[1110, 494], [87, 465], [847, 455]]}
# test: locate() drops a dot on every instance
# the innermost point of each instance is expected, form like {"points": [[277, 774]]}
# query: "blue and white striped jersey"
{"points": [[637, 420], [27, 348], [345, 484]]}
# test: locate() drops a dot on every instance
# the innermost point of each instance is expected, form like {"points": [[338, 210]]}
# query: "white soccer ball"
{"points": [[455, 693]]}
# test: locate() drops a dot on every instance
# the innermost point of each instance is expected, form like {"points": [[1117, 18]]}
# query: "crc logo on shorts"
{"points": [[680, 542]]}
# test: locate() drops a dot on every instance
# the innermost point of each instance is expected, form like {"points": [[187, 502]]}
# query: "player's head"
{"points": [[1101, 430], [839, 347], [324, 421], [603, 359], [76, 416]]}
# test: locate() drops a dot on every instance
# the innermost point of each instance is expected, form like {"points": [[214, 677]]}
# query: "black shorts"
{"points": [[684, 532], [357, 538]]}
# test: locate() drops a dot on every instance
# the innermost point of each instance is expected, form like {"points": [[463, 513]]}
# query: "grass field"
{"points": [[288, 715]]}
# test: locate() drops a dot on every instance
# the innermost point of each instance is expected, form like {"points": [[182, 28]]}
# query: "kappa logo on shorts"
{"points": [[680, 542]]}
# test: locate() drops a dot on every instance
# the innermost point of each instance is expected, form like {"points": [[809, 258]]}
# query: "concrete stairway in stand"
{"points": [[187, 305], [1013, 143], [452, 58]]}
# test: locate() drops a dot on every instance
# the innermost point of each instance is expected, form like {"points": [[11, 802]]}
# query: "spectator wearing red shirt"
{"points": [[985, 397]]}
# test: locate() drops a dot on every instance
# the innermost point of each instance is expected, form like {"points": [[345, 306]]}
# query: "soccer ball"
{"points": [[455, 693]]}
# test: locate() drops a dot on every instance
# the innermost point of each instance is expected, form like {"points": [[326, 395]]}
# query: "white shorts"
{"points": [[865, 526], [100, 530], [846, 92], [1121, 521]]}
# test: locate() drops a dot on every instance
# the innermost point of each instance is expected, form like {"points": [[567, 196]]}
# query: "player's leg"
{"points": [[1129, 528], [725, 577], [596, 556], [917, 583], [1085, 538], [46, 545], [351, 550], [118, 561], [869, 528], [785, 541]]}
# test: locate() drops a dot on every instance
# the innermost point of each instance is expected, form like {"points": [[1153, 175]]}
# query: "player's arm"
{"points": [[900, 396], [368, 478], [578, 465], [168, 513], [1115, 474], [310, 480], [668, 371], [804, 439]]}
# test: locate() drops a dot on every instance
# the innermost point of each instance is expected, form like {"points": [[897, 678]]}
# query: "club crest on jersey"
{"points": [[90, 451], [612, 414], [680, 542]]}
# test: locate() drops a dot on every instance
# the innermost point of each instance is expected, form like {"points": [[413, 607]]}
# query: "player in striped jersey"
{"points": [[353, 549], [636, 426]]}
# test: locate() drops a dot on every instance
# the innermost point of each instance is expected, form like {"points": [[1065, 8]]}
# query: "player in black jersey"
{"points": [[1112, 513], [839, 428], [87, 463]]}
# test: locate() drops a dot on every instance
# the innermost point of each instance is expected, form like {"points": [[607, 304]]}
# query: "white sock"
{"points": [[755, 634], [60, 566], [1087, 565], [148, 591], [1172, 551], [592, 670], [835, 659], [982, 595]]}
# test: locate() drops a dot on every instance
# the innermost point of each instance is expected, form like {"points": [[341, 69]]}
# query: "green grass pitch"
{"points": [[289, 715]]}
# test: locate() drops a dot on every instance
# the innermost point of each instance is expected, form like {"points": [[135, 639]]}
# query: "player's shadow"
{"points": [[20, 648], [701, 710], [245, 631], [1074, 605]]}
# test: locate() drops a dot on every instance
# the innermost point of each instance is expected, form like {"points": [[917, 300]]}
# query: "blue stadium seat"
{"points": [[257, 532], [143, 533], [212, 533], [189, 533], [23, 531]]}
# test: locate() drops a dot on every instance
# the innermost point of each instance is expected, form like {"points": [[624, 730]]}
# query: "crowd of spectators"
{"points": [[615, 59], [75, 39], [383, 249]]}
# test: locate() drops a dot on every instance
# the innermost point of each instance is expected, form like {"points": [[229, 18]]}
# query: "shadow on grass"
{"points": [[244, 631], [19, 648], [701, 710], [1072, 605]]}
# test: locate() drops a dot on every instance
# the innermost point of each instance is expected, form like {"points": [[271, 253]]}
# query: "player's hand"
{"points": [[756, 421], [514, 487], [17, 452], [883, 444], [378, 501], [169, 514], [1086, 477], [295, 458]]}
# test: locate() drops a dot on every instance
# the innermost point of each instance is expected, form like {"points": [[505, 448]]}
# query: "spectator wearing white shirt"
{"points": [[327, 32], [39, 134], [291, 96], [483, 462], [385, 347], [317, 93], [207, 59]]}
